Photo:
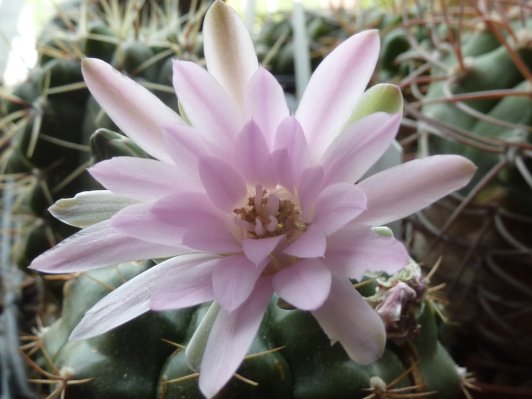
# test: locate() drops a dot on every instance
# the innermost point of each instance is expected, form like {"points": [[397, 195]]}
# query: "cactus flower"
{"points": [[243, 200]]}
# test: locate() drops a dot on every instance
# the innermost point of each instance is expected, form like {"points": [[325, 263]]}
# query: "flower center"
{"points": [[269, 214]]}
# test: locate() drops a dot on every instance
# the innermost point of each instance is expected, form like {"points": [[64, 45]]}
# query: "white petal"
{"points": [[133, 298], [400, 191], [336, 87], [136, 111], [97, 246], [229, 51], [347, 317], [89, 207], [230, 339]]}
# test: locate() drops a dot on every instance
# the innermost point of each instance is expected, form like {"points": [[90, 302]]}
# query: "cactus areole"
{"points": [[244, 200]]}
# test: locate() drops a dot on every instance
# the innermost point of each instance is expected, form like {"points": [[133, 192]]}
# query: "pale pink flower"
{"points": [[246, 200]]}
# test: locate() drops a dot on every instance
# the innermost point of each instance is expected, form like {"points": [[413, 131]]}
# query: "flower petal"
{"points": [[290, 138], [188, 211], [213, 240], [305, 285], [184, 287], [340, 80], [223, 185], [229, 51], [309, 186], [252, 156], [355, 250], [233, 280], [137, 221], [358, 147], [230, 339], [88, 207], [136, 111], [97, 246], [257, 250], [206, 104], [138, 178], [185, 146], [383, 97], [132, 298], [400, 191], [311, 244], [337, 205], [266, 103], [347, 317]]}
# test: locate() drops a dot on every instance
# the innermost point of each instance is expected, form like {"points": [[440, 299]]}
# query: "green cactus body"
{"points": [[290, 357]]}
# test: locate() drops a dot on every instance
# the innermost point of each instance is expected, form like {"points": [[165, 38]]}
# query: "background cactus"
{"points": [[466, 76], [47, 120]]}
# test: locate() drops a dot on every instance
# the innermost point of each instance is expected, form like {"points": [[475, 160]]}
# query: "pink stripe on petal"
{"points": [[359, 146], [223, 185], [400, 191], [184, 288], [311, 244], [189, 210], [336, 87], [282, 161], [233, 280], [252, 156], [258, 250], [337, 205], [185, 146], [353, 251], [305, 285], [229, 51], [347, 317], [138, 222], [138, 178], [290, 137], [136, 111], [309, 186], [230, 339], [213, 240], [132, 298], [206, 104], [97, 246], [266, 103]]}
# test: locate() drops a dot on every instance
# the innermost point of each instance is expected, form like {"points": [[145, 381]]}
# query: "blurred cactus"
{"points": [[325, 30], [466, 74], [47, 120]]}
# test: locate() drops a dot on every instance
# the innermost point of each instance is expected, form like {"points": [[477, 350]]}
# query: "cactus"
{"points": [[467, 76], [279, 365], [114, 365]]}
